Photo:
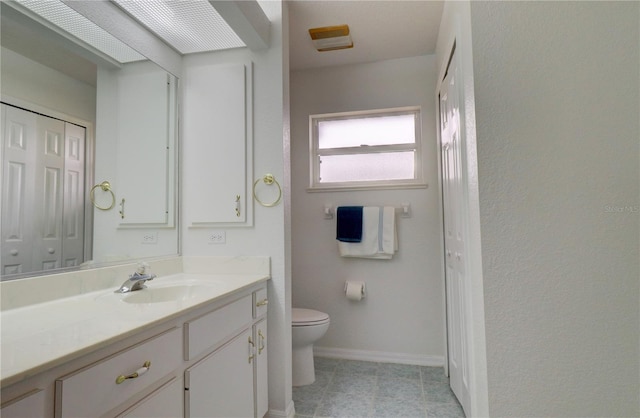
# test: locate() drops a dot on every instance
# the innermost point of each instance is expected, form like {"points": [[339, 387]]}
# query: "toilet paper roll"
{"points": [[354, 290]]}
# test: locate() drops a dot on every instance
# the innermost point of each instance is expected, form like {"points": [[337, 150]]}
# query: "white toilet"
{"points": [[307, 327]]}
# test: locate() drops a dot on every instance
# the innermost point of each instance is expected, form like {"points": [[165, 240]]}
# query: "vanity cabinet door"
{"points": [[217, 145], [261, 379], [221, 384]]}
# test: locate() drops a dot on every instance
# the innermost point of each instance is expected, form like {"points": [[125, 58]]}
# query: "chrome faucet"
{"points": [[137, 280]]}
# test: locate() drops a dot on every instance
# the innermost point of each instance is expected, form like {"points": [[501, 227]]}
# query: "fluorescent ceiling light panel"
{"points": [[82, 28], [188, 25], [330, 38]]}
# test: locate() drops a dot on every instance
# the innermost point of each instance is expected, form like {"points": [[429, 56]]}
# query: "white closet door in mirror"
{"points": [[18, 171]]}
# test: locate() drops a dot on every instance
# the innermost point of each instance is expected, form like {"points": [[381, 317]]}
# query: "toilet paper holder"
{"points": [[361, 284]]}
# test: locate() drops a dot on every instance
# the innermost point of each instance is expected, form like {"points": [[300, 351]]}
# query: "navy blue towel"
{"points": [[349, 224]]}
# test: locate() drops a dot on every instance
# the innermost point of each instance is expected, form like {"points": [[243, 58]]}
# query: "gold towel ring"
{"points": [[106, 187], [268, 179]]}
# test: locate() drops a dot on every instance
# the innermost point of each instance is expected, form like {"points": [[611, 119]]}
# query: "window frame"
{"points": [[315, 152]]}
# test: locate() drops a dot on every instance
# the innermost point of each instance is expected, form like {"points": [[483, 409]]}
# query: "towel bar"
{"points": [[404, 210]]}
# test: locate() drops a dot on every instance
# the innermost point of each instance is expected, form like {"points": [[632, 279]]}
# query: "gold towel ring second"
{"points": [[268, 179], [106, 187]]}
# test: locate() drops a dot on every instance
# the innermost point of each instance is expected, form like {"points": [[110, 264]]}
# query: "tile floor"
{"points": [[349, 388]]}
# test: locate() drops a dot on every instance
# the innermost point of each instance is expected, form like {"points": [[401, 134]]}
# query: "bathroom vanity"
{"points": [[192, 344]]}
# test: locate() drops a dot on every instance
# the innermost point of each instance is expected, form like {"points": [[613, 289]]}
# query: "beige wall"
{"points": [[401, 319], [557, 104], [25, 79]]}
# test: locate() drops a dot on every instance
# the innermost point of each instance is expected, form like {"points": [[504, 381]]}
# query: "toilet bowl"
{"points": [[307, 327]]}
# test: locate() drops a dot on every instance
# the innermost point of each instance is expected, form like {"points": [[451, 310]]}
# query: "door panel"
{"points": [[143, 145], [221, 384], [73, 200], [18, 160], [217, 114], [49, 166], [454, 205]]}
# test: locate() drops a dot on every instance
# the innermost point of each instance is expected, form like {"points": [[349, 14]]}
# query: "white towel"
{"points": [[379, 235]]}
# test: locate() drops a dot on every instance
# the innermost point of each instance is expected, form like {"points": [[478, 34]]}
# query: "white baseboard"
{"points": [[379, 356], [289, 413]]}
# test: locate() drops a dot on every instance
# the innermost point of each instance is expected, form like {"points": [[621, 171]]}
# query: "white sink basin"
{"points": [[165, 293]]}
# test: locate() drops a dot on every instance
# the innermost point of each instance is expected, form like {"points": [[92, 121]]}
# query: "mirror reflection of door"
{"points": [[42, 192]]}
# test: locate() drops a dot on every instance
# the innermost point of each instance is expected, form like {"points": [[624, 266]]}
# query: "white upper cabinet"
{"points": [[217, 145], [146, 138]]}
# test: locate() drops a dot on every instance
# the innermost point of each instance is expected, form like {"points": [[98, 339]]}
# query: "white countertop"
{"points": [[38, 337]]}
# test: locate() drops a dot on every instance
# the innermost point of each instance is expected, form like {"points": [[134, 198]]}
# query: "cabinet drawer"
{"points": [[260, 302], [211, 329], [164, 402], [30, 405], [93, 391]]}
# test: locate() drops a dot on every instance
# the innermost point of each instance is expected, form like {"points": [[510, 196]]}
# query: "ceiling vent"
{"points": [[331, 38]]}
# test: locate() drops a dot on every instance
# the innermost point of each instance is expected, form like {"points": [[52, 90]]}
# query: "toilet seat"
{"points": [[308, 317]]}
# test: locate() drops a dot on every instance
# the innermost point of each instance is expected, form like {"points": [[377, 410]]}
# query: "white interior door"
{"points": [[47, 239], [454, 235], [43, 170], [73, 200], [18, 161]]}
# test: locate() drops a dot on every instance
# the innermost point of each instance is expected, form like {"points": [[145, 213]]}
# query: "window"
{"points": [[367, 149]]}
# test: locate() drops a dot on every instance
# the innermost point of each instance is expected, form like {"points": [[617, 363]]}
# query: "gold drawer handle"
{"points": [[262, 302], [251, 350], [262, 346], [142, 370]]}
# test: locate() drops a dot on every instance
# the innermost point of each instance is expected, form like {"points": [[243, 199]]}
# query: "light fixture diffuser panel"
{"points": [[330, 44], [82, 28], [188, 26]]}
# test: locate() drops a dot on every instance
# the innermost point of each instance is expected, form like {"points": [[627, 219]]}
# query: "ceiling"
{"points": [[381, 30]]}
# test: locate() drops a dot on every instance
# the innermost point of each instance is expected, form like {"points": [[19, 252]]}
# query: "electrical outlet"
{"points": [[217, 237], [149, 238]]}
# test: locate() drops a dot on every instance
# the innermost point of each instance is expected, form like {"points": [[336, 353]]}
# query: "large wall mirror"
{"points": [[89, 149]]}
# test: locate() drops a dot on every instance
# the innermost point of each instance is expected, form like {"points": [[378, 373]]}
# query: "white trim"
{"points": [[315, 152], [347, 187], [290, 412], [379, 356]]}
